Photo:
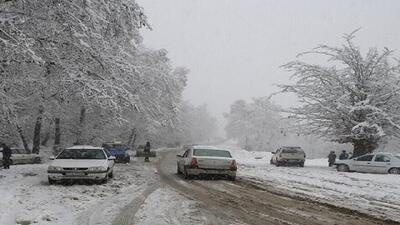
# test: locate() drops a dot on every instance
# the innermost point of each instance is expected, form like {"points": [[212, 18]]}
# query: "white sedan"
{"points": [[206, 160], [371, 163], [81, 163]]}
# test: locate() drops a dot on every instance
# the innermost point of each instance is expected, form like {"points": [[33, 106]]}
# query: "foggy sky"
{"points": [[234, 48]]}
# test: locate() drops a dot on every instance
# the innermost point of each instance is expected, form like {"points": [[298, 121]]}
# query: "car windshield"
{"points": [[397, 156], [82, 154], [211, 152]]}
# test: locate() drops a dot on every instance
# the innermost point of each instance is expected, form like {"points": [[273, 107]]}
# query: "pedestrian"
{"points": [[147, 152], [331, 158], [6, 156], [343, 155]]}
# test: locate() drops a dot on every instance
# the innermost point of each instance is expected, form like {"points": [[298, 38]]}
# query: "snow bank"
{"points": [[376, 194]]}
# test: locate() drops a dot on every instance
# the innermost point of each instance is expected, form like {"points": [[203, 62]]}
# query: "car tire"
{"points": [[301, 164], [278, 164], [394, 171], [343, 168], [177, 170], [271, 162], [51, 181], [232, 178], [111, 175], [37, 160]]}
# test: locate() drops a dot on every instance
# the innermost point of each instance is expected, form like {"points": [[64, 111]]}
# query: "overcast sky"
{"points": [[234, 48]]}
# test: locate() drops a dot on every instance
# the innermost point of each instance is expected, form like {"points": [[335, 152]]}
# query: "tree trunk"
{"points": [[46, 138], [132, 138], [23, 139], [80, 139], [57, 132], [362, 147], [36, 133]]}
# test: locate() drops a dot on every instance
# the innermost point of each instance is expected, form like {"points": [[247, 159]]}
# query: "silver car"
{"points": [[379, 162], [206, 160], [20, 156]]}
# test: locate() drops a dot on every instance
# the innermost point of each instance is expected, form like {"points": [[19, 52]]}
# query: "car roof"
{"points": [[84, 147], [208, 147]]}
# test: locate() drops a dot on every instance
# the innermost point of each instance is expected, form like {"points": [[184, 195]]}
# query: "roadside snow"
{"points": [[25, 195], [376, 194]]}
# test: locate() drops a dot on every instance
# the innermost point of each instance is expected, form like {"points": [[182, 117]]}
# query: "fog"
{"points": [[234, 48]]}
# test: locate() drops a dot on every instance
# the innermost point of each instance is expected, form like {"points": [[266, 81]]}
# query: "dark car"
{"points": [[119, 150]]}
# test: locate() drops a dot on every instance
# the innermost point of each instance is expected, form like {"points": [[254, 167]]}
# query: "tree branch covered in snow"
{"points": [[352, 99]]}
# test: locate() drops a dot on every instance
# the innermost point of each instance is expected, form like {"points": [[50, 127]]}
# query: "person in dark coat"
{"points": [[343, 155], [147, 152], [6, 156], [331, 158]]}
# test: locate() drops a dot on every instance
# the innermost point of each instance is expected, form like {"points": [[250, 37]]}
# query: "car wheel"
{"points": [[111, 175], [343, 168], [177, 170], [271, 162], [51, 181], [394, 171], [37, 160], [278, 163], [301, 164], [232, 178]]}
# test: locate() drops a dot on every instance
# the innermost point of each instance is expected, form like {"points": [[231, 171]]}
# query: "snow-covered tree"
{"points": [[255, 125], [352, 99]]}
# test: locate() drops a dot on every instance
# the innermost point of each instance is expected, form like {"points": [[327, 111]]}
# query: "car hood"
{"points": [[78, 163]]}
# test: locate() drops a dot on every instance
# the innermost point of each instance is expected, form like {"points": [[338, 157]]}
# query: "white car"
{"points": [[20, 156], [288, 156], [206, 160], [378, 162], [81, 162]]}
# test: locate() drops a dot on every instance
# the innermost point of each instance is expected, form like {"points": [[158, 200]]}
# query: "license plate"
{"points": [[74, 174]]}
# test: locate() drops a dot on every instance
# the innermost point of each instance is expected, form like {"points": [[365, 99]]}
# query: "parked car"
{"points": [[21, 156], [81, 162], [119, 150], [206, 160], [378, 162], [288, 156]]}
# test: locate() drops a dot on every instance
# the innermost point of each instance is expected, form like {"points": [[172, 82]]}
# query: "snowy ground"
{"points": [[27, 198], [377, 194]]}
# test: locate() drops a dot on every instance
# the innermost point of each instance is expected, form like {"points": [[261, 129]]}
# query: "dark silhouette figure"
{"points": [[6, 156], [343, 155], [331, 158], [147, 152]]}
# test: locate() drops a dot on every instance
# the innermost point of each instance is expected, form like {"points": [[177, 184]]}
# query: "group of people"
{"points": [[332, 157], [6, 156]]}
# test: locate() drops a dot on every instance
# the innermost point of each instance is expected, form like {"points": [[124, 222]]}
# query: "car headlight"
{"points": [[97, 168], [55, 168]]}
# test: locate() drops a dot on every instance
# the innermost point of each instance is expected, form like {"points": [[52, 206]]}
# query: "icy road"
{"points": [[152, 194]]}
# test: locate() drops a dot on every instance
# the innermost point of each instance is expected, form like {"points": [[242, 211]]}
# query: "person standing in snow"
{"points": [[147, 152], [6, 156], [331, 158], [343, 155]]}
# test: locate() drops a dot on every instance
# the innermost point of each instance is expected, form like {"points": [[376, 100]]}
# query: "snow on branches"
{"points": [[353, 99]]}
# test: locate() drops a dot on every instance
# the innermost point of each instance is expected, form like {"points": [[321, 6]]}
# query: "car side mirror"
{"points": [[273, 153], [111, 158], [52, 157], [179, 156]]}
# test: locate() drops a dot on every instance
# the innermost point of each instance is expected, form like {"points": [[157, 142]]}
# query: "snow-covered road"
{"points": [[143, 193]]}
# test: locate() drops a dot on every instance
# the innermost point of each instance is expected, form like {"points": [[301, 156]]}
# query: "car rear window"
{"points": [[212, 152], [82, 154], [291, 150]]}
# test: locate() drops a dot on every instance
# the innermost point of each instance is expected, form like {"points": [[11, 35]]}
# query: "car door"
{"points": [[363, 163], [181, 160], [380, 163]]}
